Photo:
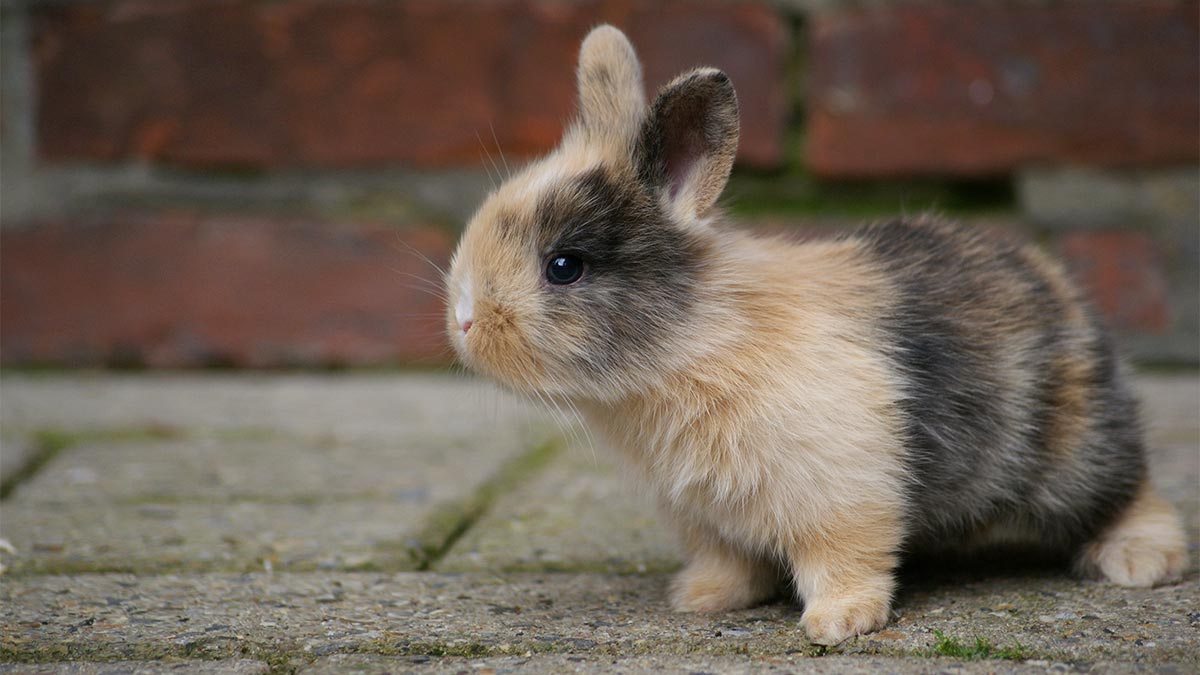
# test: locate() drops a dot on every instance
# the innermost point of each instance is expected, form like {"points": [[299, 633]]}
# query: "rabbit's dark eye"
{"points": [[563, 269]]}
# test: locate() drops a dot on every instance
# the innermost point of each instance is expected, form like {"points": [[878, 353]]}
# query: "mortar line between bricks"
{"points": [[449, 524]]}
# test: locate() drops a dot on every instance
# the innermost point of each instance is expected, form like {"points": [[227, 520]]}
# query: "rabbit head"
{"points": [[584, 274]]}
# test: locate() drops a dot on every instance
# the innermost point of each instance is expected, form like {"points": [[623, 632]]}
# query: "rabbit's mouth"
{"points": [[488, 340]]}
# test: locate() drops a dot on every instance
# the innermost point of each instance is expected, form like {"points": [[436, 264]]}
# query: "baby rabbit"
{"points": [[809, 409]]}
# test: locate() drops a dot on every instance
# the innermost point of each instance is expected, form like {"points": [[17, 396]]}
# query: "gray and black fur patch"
{"points": [[976, 333], [641, 271]]}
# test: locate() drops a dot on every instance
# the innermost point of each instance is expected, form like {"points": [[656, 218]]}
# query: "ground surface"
{"points": [[416, 523]]}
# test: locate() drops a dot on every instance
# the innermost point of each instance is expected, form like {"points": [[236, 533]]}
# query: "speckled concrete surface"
{"points": [[164, 667], [111, 616], [700, 665], [279, 520]]}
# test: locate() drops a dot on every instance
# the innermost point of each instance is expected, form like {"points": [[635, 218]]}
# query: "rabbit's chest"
{"points": [[748, 487], [771, 476]]}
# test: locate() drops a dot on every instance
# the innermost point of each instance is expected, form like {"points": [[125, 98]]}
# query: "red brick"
{"points": [[182, 291], [979, 88], [313, 83], [1124, 274]]}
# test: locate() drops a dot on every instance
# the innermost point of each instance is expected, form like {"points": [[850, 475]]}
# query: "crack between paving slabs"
{"points": [[450, 522], [47, 446]]}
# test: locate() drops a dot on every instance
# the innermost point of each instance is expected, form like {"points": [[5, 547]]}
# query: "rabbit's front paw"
{"points": [[836, 620]]}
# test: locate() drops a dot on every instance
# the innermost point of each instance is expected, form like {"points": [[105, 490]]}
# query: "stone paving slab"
{"points": [[104, 617], [188, 473], [155, 507], [578, 515], [411, 471], [358, 664], [186, 667], [382, 406], [51, 537]]}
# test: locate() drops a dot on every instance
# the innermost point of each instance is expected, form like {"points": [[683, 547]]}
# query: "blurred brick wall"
{"points": [[200, 182]]}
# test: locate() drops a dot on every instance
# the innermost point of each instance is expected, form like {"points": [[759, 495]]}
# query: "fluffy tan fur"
{"points": [[750, 446], [611, 101]]}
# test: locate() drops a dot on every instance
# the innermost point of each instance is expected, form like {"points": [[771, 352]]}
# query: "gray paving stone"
{"points": [[56, 537], [375, 492], [578, 515], [361, 664], [345, 407], [190, 667], [411, 470], [234, 506], [105, 617]]}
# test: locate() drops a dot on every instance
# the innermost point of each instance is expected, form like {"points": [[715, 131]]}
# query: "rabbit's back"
{"points": [[1016, 413]]}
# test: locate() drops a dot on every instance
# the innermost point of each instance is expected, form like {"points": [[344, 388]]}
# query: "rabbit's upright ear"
{"points": [[688, 141], [611, 100]]}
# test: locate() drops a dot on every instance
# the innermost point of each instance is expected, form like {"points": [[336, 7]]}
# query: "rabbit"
{"points": [[804, 412]]}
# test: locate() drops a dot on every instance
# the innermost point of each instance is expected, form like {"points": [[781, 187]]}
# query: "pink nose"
{"points": [[466, 326]]}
